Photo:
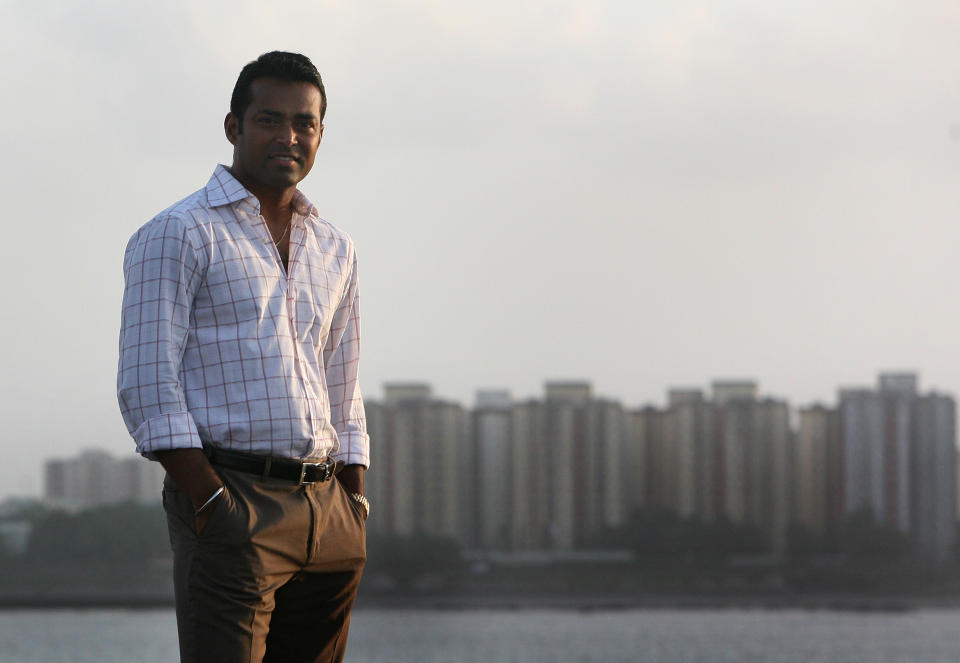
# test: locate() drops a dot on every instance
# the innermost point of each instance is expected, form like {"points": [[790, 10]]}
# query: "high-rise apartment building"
{"points": [[691, 454], [934, 487], [641, 468], [488, 473], [605, 445], [734, 431], [586, 438], [95, 478], [754, 459], [531, 525], [771, 472], [861, 435], [420, 440], [899, 451], [567, 463], [817, 470], [898, 394]]}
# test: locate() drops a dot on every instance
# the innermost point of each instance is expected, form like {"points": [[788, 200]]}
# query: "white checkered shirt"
{"points": [[219, 345]]}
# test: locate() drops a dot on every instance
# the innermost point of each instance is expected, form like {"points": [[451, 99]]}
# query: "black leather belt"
{"points": [[279, 468]]}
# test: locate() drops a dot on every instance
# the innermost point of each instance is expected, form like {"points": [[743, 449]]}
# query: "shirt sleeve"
{"points": [[162, 273], [342, 359]]}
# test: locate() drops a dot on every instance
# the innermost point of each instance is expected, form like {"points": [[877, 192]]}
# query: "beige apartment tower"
{"points": [[420, 440], [816, 484]]}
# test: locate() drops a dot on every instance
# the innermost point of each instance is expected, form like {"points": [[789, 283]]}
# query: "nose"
{"points": [[286, 135]]}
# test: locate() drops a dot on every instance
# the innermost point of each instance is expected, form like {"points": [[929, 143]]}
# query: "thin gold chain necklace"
{"points": [[276, 242]]}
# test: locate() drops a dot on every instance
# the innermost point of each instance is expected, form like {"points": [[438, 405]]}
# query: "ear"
{"points": [[231, 127], [320, 136]]}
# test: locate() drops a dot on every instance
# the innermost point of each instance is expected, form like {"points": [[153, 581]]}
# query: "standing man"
{"points": [[239, 346]]}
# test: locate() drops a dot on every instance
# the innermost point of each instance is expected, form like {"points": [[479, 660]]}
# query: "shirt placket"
{"points": [[289, 291], [298, 245]]}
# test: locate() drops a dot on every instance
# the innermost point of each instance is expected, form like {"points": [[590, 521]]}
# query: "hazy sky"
{"points": [[641, 194]]}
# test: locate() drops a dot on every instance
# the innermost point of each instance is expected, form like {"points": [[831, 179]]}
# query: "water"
{"points": [[535, 636]]}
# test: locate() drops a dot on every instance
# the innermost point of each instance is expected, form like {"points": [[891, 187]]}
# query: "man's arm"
{"points": [[162, 273], [342, 359]]}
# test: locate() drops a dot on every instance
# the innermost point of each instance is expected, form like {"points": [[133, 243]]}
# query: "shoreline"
{"points": [[599, 603]]}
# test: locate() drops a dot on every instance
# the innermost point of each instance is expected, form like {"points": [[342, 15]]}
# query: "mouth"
{"points": [[286, 159]]}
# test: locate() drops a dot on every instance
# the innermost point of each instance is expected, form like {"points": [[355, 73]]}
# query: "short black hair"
{"points": [[282, 66]]}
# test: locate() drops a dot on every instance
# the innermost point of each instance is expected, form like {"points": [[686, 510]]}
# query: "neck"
{"points": [[277, 211], [276, 205]]}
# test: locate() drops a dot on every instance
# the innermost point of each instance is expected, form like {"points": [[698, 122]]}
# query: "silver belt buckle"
{"points": [[303, 472]]}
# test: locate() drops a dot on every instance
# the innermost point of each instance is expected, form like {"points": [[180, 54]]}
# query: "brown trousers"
{"points": [[273, 575]]}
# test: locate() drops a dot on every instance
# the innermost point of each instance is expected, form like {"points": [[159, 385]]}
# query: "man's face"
{"points": [[280, 137]]}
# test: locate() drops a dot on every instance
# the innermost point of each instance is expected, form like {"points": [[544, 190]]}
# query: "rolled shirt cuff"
{"points": [[176, 430], [354, 449]]}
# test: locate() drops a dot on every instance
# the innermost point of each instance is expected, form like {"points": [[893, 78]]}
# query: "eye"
{"points": [[266, 121]]}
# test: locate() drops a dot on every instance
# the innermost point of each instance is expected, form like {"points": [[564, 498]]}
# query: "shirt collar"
{"points": [[224, 189]]}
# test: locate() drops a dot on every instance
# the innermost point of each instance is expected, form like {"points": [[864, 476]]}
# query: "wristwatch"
{"points": [[362, 501]]}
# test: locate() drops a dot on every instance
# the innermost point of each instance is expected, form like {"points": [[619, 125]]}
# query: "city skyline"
{"points": [[482, 394], [555, 473]]}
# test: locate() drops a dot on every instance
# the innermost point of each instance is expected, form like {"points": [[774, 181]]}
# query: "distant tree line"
{"points": [[661, 534], [129, 535], [126, 533], [678, 552]]}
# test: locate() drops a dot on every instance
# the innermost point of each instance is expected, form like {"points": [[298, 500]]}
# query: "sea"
{"points": [[526, 636]]}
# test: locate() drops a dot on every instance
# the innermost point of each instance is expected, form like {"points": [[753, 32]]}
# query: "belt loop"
{"points": [[266, 468]]}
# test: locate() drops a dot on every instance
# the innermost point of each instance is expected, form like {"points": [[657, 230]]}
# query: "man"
{"points": [[239, 346]]}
